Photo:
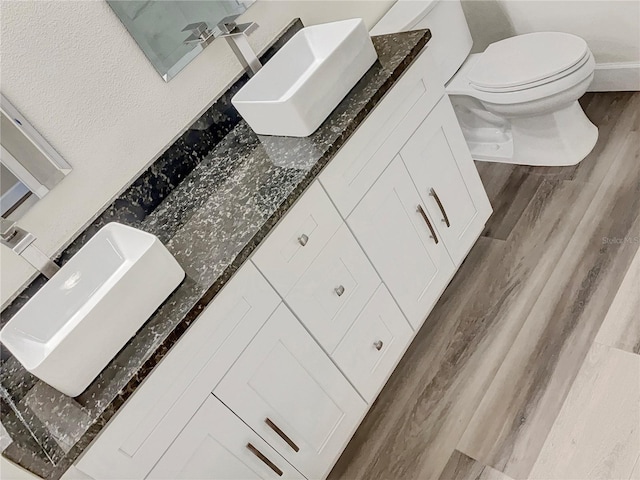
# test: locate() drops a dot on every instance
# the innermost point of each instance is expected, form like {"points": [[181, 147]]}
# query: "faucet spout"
{"points": [[245, 54], [236, 36], [38, 259]]}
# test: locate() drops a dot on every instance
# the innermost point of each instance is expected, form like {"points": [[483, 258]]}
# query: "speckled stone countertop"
{"points": [[211, 220]]}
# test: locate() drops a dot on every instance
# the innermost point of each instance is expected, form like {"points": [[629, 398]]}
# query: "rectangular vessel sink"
{"points": [[306, 79], [74, 325]]}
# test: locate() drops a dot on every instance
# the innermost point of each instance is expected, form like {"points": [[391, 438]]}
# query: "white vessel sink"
{"points": [[74, 325], [306, 79]]}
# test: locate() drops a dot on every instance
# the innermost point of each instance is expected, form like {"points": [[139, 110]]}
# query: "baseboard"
{"points": [[616, 77]]}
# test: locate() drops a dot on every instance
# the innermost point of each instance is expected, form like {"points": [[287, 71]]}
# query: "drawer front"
{"points": [[292, 395], [377, 141], [298, 239], [142, 430], [335, 288], [217, 445], [374, 344]]}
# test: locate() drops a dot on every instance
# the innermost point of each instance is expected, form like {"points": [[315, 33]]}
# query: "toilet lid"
{"points": [[528, 59]]}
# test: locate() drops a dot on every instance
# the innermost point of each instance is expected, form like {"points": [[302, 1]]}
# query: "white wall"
{"points": [[9, 471], [72, 69], [610, 27]]}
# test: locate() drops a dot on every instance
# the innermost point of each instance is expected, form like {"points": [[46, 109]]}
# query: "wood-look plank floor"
{"points": [[487, 375], [463, 467], [621, 326], [597, 433]]}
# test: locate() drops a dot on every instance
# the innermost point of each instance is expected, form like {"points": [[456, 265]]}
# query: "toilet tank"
{"points": [[451, 39]]}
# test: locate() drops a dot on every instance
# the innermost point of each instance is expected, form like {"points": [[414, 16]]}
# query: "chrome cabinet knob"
{"points": [[378, 344], [339, 290], [303, 239]]}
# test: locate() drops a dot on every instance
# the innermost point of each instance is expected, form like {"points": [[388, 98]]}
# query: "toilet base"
{"points": [[559, 138]]}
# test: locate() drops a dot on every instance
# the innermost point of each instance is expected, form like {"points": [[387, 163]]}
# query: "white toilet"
{"points": [[517, 102]]}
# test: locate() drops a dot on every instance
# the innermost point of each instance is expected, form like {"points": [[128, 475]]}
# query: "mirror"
{"points": [[158, 27], [29, 166]]}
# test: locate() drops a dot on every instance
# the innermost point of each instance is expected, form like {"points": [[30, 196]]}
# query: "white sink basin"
{"points": [[68, 332], [306, 79]]}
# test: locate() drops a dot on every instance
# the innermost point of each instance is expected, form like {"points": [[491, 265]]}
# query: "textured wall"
{"points": [[72, 69], [611, 27]]}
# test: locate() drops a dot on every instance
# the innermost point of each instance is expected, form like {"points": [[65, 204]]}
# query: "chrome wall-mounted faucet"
{"points": [[21, 242], [236, 36]]}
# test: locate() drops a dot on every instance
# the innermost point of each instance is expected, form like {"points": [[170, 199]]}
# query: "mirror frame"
{"points": [[12, 164]]}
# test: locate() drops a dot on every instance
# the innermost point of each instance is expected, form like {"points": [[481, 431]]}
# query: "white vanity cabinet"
{"points": [[274, 377], [216, 444], [288, 390]]}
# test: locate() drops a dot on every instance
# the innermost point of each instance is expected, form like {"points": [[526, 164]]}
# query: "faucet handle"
{"points": [[198, 27], [200, 32], [7, 227], [227, 24]]}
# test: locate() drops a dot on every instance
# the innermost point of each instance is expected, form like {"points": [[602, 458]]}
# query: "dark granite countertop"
{"points": [[211, 220]]}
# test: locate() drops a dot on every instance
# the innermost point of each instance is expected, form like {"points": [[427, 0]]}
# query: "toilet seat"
{"points": [[460, 84], [536, 83], [529, 60]]}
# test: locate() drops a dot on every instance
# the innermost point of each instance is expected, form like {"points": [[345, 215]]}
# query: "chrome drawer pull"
{"points": [[303, 239], [282, 435], [445, 218], [426, 219], [378, 345], [339, 290], [261, 456]]}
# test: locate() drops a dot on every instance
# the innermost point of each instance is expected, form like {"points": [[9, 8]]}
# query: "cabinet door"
{"points": [[217, 445], [441, 167], [287, 390], [395, 232]]}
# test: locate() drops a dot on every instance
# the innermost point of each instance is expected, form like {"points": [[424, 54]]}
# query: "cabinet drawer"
{"points": [[217, 445], [335, 288], [291, 394], [298, 239], [146, 425], [377, 141], [373, 345]]}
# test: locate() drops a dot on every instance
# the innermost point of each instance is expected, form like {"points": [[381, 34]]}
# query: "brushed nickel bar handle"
{"points": [[426, 219], [433, 193], [282, 435], [261, 456]]}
